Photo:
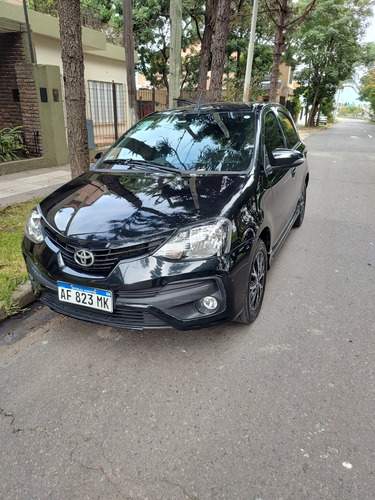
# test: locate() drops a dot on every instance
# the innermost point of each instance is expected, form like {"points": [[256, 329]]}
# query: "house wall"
{"points": [[29, 107], [103, 62], [103, 70], [18, 96], [105, 65], [11, 52], [51, 113]]}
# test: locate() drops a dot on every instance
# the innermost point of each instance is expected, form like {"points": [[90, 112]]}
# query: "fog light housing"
{"points": [[207, 305]]}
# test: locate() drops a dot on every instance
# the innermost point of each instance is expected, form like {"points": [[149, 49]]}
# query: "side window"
{"points": [[289, 130], [273, 137]]}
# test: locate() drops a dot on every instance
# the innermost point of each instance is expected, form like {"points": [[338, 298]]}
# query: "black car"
{"points": [[176, 224]]}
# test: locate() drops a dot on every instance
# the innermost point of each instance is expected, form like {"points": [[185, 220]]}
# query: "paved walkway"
{"points": [[24, 186]]}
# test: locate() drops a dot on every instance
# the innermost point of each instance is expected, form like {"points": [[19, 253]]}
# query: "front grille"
{"points": [[138, 294], [124, 317], [105, 258], [177, 287]]}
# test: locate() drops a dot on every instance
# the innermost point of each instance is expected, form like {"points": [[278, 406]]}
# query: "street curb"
{"points": [[23, 296]]}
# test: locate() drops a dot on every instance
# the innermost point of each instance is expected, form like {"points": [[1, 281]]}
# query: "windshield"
{"points": [[186, 141]]}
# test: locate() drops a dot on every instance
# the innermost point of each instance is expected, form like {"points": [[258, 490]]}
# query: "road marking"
{"points": [[370, 136]]}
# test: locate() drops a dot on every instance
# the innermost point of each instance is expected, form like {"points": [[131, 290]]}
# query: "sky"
{"points": [[349, 95]]}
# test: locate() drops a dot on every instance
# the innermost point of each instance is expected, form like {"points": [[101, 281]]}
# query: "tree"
{"points": [[218, 50], [367, 88], [281, 14], [205, 52], [74, 84], [151, 31], [329, 49], [175, 51], [238, 48], [129, 61]]}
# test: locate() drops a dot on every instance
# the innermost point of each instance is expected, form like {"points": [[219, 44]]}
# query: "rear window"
{"points": [[221, 141]]}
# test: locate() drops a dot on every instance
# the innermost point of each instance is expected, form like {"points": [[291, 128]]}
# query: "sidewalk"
{"points": [[24, 186]]}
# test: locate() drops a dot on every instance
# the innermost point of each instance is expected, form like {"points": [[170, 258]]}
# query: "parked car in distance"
{"points": [[321, 119], [176, 224]]}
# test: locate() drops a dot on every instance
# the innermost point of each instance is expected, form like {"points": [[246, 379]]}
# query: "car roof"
{"points": [[221, 106]]}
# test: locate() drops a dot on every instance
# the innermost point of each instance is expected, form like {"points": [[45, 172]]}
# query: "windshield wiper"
{"points": [[141, 164], [113, 161]]}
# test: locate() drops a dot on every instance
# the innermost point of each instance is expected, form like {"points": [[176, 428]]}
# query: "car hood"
{"points": [[117, 206]]}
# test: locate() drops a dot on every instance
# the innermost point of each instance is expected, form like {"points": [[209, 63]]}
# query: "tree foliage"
{"points": [[326, 43], [329, 49], [151, 33], [367, 89], [367, 92], [284, 15]]}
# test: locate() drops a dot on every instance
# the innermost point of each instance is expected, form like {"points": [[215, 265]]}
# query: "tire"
{"points": [[302, 208], [256, 285]]}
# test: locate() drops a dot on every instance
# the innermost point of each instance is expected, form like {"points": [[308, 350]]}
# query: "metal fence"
{"points": [[106, 108], [33, 142]]}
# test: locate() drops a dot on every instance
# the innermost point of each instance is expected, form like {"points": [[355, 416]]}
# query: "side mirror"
{"points": [[98, 155], [286, 158]]}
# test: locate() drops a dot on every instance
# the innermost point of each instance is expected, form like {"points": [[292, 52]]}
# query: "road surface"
{"points": [[283, 409]]}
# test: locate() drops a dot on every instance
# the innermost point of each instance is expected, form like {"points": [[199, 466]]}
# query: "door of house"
{"points": [[145, 108]]}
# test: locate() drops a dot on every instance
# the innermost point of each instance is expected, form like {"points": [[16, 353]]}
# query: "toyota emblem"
{"points": [[84, 257]]}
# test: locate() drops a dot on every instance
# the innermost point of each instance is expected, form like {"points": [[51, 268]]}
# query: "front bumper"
{"points": [[147, 298]]}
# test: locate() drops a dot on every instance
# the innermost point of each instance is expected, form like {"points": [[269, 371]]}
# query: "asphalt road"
{"points": [[283, 409]]}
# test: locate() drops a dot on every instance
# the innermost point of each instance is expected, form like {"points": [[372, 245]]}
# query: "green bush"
{"points": [[10, 142]]}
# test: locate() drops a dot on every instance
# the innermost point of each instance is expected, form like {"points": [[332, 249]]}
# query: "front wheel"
{"points": [[256, 285]]}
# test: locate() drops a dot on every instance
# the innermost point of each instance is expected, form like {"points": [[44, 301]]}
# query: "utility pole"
{"points": [[175, 52], [32, 58], [250, 53], [131, 94]]}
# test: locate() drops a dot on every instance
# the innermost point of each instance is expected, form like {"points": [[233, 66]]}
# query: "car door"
{"points": [[293, 142], [281, 182]]}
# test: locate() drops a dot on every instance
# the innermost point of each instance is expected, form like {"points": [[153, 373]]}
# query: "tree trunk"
{"points": [[129, 61], [218, 51], [74, 85], [278, 47], [204, 59], [175, 52], [314, 108]]}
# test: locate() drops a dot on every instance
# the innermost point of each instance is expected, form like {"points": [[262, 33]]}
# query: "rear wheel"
{"points": [[256, 285], [302, 207]]}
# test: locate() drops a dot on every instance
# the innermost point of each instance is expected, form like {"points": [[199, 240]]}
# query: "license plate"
{"points": [[86, 296]]}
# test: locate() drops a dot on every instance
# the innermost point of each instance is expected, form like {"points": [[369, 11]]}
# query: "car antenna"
{"points": [[198, 103]]}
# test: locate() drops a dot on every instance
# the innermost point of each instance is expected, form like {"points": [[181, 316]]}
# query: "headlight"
{"points": [[33, 227], [198, 242]]}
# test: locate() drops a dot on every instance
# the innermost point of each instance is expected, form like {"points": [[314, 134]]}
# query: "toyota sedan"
{"points": [[176, 225]]}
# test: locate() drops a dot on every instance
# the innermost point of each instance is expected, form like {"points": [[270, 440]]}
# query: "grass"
{"points": [[12, 267]]}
